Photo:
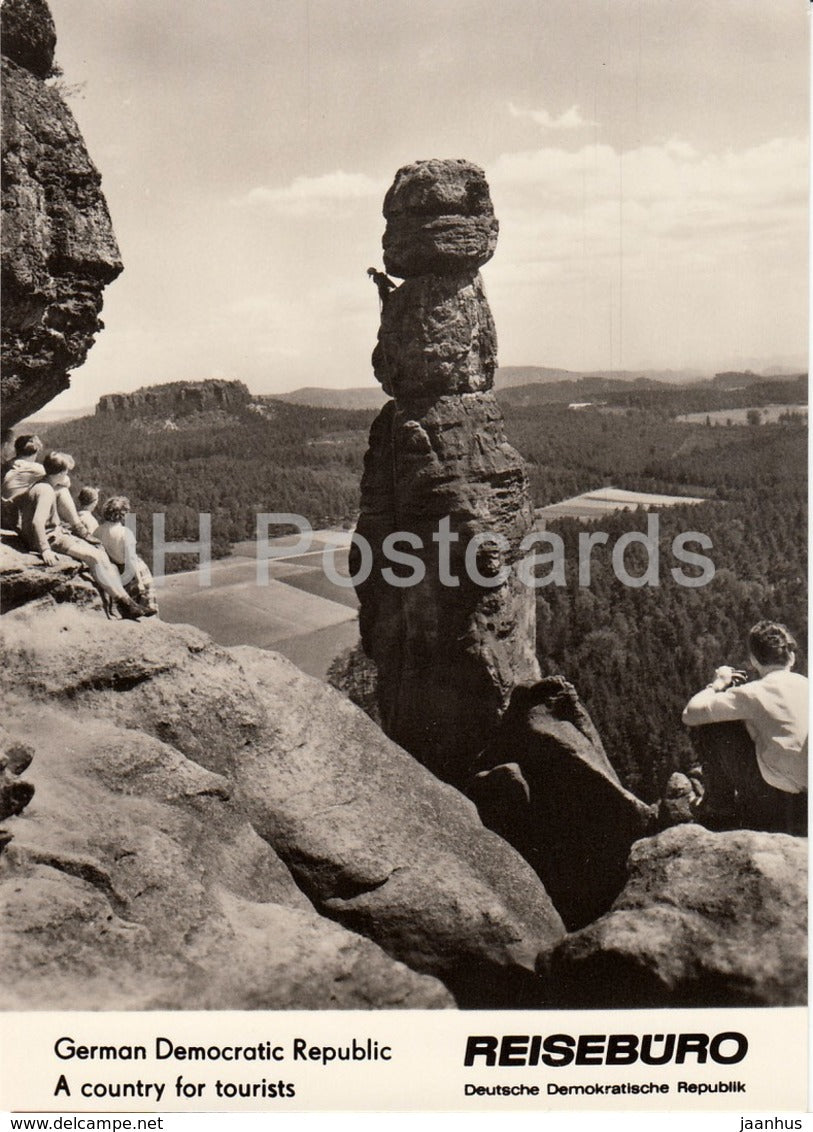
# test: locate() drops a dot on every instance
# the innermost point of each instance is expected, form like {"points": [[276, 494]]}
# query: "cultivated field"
{"points": [[604, 500], [299, 612]]}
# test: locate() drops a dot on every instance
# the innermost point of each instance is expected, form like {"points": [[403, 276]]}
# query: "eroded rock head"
{"points": [[59, 251], [440, 219]]}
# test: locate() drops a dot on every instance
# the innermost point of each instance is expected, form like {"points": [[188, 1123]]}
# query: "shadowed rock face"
{"points": [[59, 251], [546, 785], [448, 656], [29, 35]]}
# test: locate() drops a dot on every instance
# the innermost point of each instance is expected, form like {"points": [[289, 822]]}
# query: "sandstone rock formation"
{"points": [[177, 398], [15, 791], [705, 919], [29, 35], [544, 783], [24, 578], [135, 882], [58, 248], [238, 744], [448, 655]]}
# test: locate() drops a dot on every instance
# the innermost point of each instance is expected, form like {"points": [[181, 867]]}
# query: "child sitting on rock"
{"points": [[120, 544], [753, 739], [87, 501]]}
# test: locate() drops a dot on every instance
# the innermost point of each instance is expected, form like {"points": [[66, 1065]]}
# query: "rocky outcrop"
{"points": [[705, 919], [25, 579], [448, 652], [177, 398], [15, 791], [374, 841], [28, 35], [544, 783], [58, 247], [135, 882], [440, 220]]}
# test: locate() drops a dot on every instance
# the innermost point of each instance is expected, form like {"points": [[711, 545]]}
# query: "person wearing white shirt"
{"points": [[756, 766]]}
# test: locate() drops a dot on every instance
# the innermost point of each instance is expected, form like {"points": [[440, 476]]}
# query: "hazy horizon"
{"points": [[648, 165]]}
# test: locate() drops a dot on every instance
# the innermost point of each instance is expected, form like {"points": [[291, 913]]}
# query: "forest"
{"points": [[635, 654]]}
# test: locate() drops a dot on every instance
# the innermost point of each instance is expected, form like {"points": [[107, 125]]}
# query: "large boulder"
{"points": [[440, 219], [705, 919], [58, 247], [134, 881], [544, 782], [375, 841]]}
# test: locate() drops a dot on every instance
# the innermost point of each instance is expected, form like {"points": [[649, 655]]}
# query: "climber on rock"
{"points": [[752, 736], [384, 284]]}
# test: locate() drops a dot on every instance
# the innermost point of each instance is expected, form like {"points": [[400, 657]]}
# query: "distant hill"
{"points": [[177, 398], [51, 416], [579, 388], [359, 397], [562, 382], [509, 376]]}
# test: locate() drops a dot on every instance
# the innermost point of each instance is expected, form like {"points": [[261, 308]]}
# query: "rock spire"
{"points": [[448, 654]]}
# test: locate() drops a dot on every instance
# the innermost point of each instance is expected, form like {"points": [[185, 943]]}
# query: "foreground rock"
{"points": [[449, 649], [24, 579], [59, 251], [134, 882], [706, 919], [373, 839], [546, 785]]}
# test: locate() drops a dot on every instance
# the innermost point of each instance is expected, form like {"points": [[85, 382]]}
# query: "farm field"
{"points": [[299, 612], [769, 414], [604, 501]]}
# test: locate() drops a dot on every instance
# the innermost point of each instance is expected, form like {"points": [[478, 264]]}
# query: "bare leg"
{"points": [[103, 570]]}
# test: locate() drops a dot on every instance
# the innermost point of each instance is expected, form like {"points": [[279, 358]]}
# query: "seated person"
{"points": [[755, 761], [120, 544], [24, 468], [87, 500], [44, 533], [24, 471], [19, 474]]}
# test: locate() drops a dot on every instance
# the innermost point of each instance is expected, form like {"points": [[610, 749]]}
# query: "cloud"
{"points": [[314, 196], [661, 251], [570, 120], [668, 200]]}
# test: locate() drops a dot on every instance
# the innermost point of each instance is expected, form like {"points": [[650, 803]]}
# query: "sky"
{"points": [[648, 163]]}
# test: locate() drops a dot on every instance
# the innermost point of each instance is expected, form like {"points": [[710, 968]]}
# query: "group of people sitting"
{"points": [[36, 499]]}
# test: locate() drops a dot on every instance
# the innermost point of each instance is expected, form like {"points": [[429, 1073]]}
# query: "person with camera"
{"points": [[752, 736]]}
